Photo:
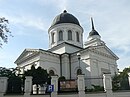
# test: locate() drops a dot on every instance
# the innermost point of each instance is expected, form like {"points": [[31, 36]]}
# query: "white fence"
{"points": [[54, 81]]}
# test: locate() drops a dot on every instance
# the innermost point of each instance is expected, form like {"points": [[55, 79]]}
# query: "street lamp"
{"points": [[79, 57]]}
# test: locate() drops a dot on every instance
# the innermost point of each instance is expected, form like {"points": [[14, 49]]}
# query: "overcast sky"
{"points": [[30, 19]]}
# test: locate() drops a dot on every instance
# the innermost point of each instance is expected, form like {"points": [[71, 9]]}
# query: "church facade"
{"points": [[67, 54]]}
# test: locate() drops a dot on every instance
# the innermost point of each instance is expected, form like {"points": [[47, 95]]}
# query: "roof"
{"points": [[93, 32], [65, 17]]}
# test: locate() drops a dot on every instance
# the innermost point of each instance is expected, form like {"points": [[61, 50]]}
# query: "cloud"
{"points": [[31, 21]]}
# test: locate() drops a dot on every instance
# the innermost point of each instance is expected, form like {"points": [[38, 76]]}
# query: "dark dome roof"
{"points": [[93, 32], [65, 18]]}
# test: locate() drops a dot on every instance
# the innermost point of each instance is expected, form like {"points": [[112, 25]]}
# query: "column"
{"points": [[3, 85], [81, 86], [129, 78], [108, 85], [54, 81], [28, 86]]}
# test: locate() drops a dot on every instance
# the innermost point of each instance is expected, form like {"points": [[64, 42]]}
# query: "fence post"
{"points": [[81, 86], [3, 85], [28, 86], [54, 81], [129, 78], [108, 85]]}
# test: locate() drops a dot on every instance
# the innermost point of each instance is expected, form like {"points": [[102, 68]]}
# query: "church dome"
{"points": [[65, 18], [93, 32]]}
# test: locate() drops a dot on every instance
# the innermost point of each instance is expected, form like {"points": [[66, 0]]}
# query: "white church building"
{"points": [[67, 54]]}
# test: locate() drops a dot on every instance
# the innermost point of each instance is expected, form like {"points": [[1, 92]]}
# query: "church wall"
{"points": [[65, 27], [104, 64], [25, 65], [50, 62], [71, 49], [74, 66], [66, 66], [84, 64], [61, 50]]}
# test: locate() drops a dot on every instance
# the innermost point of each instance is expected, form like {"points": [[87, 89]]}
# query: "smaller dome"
{"points": [[65, 18], [93, 32]]}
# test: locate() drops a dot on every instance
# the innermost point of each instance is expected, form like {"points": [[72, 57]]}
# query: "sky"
{"points": [[29, 21]]}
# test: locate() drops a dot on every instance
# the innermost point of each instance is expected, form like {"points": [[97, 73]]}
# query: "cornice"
{"points": [[27, 58]]}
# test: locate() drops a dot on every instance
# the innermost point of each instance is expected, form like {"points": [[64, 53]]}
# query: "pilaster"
{"points": [[108, 85], [3, 85], [54, 81], [81, 86], [28, 86]]}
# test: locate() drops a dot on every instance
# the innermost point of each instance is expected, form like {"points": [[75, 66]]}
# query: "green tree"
{"points": [[40, 76], [116, 82], [124, 83], [14, 81], [121, 81], [4, 31]]}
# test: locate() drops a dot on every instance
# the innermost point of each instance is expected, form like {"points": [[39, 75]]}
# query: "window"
{"points": [[51, 72], [60, 35], [69, 35], [77, 36], [53, 35], [79, 71]]}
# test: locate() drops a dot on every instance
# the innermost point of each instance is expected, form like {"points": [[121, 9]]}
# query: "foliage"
{"points": [[121, 81], [124, 83], [4, 31], [14, 85], [7, 72], [115, 82], [40, 76], [62, 78], [96, 88], [14, 81]]}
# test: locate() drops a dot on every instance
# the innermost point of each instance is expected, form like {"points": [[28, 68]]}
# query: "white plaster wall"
{"points": [[84, 64], [71, 49], [102, 62], [65, 49], [28, 63], [50, 62], [65, 66], [60, 50], [65, 27]]}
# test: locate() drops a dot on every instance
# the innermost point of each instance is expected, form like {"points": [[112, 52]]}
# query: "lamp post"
{"points": [[79, 70]]}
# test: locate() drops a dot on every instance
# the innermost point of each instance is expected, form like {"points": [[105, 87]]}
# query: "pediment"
{"points": [[26, 54], [105, 50]]}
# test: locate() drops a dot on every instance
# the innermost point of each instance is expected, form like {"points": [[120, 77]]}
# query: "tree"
{"points": [[14, 81], [116, 82], [124, 79], [120, 81], [7, 72], [4, 31], [40, 76]]}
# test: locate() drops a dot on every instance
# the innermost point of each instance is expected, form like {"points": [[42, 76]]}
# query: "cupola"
{"points": [[65, 28]]}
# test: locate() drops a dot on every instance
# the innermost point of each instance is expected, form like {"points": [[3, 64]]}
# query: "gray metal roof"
{"points": [[65, 17]]}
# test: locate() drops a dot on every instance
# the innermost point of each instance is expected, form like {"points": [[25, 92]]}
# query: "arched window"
{"points": [[60, 35], [69, 35], [53, 35], [51, 72], [77, 36], [79, 71]]}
